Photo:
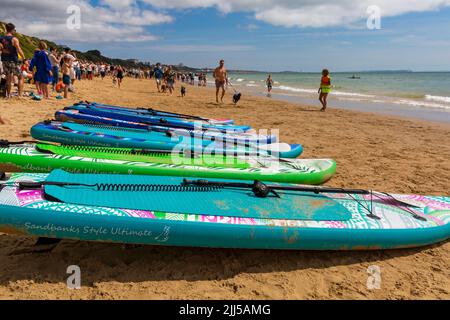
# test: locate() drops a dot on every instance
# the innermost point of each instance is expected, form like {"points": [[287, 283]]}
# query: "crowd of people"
{"points": [[55, 72], [50, 70], [61, 70], [166, 78]]}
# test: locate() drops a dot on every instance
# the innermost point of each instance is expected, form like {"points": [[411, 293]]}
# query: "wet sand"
{"points": [[372, 151]]}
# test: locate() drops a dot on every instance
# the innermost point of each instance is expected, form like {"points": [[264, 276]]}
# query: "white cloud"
{"points": [[307, 13], [127, 20], [111, 20]]}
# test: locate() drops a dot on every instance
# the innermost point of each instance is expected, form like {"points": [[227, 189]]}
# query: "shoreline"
{"points": [[380, 152], [414, 95], [381, 108]]}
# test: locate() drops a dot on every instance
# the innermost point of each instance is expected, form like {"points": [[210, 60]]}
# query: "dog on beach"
{"points": [[236, 97], [183, 91]]}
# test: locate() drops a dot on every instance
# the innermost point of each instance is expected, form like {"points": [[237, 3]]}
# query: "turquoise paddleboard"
{"points": [[172, 211]]}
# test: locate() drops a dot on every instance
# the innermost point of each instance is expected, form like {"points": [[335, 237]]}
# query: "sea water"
{"points": [[419, 94]]}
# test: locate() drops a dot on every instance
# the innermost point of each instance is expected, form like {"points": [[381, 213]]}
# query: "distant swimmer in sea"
{"points": [[325, 88], [221, 76], [269, 83]]}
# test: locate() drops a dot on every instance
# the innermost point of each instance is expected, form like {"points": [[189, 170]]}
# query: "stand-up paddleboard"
{"points": [[166, 121], [173, 211], [104, 136], [156, 112], [72, 115], [42, 158]]}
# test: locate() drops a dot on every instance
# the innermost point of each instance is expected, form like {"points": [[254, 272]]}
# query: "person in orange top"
{"points": [[325, 88]]}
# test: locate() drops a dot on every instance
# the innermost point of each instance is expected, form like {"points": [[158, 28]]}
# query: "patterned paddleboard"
{"points": [[387, 222], [45, 158]]}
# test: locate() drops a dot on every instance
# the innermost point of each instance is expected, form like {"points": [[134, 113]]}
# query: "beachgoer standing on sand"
{"points": [[55, 61], [43, 69], [66, 75], [89, 72], [102, 71], [158, 73], [68, 54], [169, 77], [120, 75], [11, 50], [221, 76], [269, 83], [325, 88], [32, 68], [77, 68]]}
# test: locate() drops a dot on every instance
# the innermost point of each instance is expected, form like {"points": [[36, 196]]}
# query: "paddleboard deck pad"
{"points": [[203, 218]]}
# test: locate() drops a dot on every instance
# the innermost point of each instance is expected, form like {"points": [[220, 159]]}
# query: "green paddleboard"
{"points": [[43, 158]]}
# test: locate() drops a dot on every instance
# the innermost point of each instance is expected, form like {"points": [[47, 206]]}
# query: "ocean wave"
{"points": [[314, 91], [351, 94], [292, 89], [437, 98], [418, 103], [240, 80]]}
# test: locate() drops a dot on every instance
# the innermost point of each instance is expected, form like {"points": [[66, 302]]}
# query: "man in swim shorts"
{"points": [[11, 50], [221, 76]]}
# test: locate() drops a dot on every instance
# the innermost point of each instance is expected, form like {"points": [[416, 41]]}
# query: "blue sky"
{"points": [[258, 37]]}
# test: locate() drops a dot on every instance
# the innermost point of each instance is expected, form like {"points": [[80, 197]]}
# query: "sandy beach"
{"points": [[372, 151]]}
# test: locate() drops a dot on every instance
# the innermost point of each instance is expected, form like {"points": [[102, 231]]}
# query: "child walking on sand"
{"points": [[325, 88]]}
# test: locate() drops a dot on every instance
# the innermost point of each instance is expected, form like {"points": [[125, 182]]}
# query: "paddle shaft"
{"points": [[316, 190]]}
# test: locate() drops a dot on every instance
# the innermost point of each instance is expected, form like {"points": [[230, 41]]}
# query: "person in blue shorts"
{"points": [[159, 75]]}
